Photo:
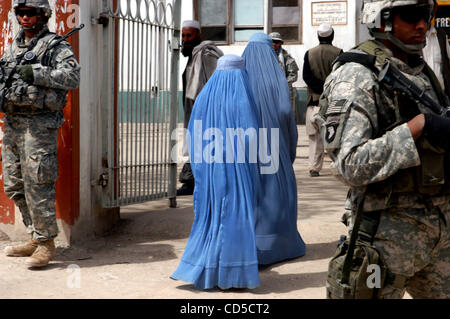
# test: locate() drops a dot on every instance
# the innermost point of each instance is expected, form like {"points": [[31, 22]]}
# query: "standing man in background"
{"points": [[34, 84], [317, 66], [288, 65], [437, 55], [201, 65]]}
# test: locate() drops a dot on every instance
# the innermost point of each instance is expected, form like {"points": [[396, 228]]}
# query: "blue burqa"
{"points": [[221, 249], [277, 237]]}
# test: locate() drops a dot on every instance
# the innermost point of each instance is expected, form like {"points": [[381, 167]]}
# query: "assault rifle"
{"points": [[393, 77], [29, 56]]}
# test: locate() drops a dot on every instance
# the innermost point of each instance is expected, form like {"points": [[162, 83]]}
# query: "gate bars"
{"points": [[145, 102]]}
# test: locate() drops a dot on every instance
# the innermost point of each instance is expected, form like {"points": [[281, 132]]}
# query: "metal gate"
{"points": [[145, 104]]}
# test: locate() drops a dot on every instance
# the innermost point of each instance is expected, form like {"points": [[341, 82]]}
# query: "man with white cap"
{"points": [[317, 66], [201, 65], [287, 63]]}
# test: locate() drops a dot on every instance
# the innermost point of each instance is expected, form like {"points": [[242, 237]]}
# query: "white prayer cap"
{"points": [[191, 24], [325, 30]]}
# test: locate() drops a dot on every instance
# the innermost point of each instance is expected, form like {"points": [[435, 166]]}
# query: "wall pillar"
{"points": [[96, 58]]}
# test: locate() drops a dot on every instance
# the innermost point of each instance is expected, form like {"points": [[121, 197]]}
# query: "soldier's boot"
{"points": [[24, 250], [44, 253]]}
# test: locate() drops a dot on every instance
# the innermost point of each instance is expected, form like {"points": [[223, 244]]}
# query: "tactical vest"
{"points": [[432, 177], [21, 97]]}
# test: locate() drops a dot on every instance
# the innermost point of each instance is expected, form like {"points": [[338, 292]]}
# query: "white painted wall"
{"points": [[345, 36], [94, 41]]}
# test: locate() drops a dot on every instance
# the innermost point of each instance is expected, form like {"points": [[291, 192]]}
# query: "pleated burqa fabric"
{"points": [[221, 249], [277, 237]]}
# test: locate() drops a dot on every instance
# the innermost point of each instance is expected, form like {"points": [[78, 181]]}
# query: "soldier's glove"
{"points": [[26, 73], [437, 130]]}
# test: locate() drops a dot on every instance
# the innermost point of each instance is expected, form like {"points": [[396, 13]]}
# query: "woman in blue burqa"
{"points": [[221, 249], [277, 237]]}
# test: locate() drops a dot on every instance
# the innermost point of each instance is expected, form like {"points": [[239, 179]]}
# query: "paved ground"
{"points": [[137, 258]]}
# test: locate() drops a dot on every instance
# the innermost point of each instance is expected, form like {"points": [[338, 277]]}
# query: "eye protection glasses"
{"points": [[26, 12], [415, 13]]}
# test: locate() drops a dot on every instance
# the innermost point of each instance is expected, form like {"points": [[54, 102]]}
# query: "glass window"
{"points": [[248, 19], [286, 19], [213, 12], [249, 12], [225, 21], [213, 17]]}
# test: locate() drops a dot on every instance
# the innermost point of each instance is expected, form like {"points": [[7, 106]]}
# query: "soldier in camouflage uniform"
{"points": [[35, 87], [288, 64], [394, 150]]}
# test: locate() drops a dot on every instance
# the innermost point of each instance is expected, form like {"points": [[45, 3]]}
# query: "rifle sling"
{"points": [[353, 237]]}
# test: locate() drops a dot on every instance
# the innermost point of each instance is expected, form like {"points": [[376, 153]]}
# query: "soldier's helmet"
{"points": [[38, 4], [374, 12]]}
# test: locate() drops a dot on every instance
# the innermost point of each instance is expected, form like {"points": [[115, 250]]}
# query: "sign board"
{"points": [[442, 19], [331, 12]]}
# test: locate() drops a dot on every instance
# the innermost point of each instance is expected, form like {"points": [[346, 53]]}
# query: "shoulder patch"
{"points": [[336, 115], [336, 107], [71, 63], [331, 128], [64, 54]]}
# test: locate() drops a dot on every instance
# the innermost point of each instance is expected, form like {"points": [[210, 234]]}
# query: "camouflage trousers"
{"points": [[292, 93], [30, 169], [415, 243]]}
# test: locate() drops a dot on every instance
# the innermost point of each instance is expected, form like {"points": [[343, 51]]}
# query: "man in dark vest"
{"points": [[317, 66]]}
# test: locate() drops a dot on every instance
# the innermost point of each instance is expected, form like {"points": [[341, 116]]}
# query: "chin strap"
{"points": [[407, 48]]}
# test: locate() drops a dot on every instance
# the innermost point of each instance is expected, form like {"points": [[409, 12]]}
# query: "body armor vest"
{"points": [[432, 177], [21, 97]]}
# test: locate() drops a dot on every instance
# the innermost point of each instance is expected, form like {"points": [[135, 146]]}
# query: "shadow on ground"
{"points": [[139, 237]]}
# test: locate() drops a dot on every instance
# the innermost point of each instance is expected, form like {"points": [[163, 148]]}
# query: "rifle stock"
{"points": [[397, 80]]}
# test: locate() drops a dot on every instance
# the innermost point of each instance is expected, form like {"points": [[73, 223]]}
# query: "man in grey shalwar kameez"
{"points": [[201, 65]]}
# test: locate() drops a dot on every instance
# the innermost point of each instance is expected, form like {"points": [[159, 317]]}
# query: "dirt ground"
{"points": [[137, 258]]}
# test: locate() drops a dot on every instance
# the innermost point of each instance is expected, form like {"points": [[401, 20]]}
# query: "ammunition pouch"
{"points": [[358, 287], [431, 178], [22, 98], [366, 259], [368, 273]]}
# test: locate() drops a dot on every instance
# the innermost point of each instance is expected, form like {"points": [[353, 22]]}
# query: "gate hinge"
{"points": [[103, 180], [175, 46], [102, 19]]}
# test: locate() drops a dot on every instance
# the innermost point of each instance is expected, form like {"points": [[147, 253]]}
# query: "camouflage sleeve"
{"points": [[63, 74], [361, 158], [292, 70]]}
